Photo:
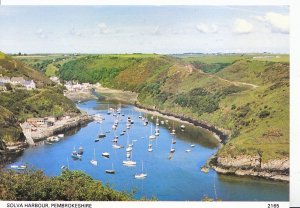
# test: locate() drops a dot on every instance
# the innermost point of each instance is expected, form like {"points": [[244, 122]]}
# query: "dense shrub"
{"points": [[264, 114], [32, 185]]}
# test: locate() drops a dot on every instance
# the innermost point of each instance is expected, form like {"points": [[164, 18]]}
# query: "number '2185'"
{"points": [[273, 205]]}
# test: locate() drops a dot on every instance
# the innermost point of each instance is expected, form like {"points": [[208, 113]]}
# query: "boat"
{"points": [[22, 167], [128, 125], [115, 140], [151, 135], [173, 141], [102, 134], [75, 155], [111, 171], [55, 139], [114, 127], [94, 161], [105, 154], [14, 166], [129, 146], [188, 150], [141, 175], [97, 140], [61, 136], [127, 154], [122, 133], [172, 150], [129, 163], [128, 149], [173, 130], [162, 122], [182, 126], [116, 146], [63, 167], [80, 150], [46, 142], [156, 131], [150, 149], [192, 145]]}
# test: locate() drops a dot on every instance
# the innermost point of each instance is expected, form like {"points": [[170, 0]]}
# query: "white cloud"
{"points": [[103, 28], [277, 23], [205, 28], [40, 33], [242, 26], [75, 32]]}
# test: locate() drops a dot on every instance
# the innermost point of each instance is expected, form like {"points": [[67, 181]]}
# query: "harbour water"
{"points": [[178, 178]]}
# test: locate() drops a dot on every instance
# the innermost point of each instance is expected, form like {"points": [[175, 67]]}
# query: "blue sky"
{"points": [[145, 29]]}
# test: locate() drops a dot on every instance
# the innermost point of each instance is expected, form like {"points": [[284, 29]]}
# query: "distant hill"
{"points": [[13, 68]]}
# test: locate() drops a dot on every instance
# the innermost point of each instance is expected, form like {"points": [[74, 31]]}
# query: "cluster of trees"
{"points": [[210, 68], [37, 103], [34, 185], [199, 100]]}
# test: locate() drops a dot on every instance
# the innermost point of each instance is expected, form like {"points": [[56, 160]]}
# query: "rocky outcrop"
{"points": [[11, 152], [276, 169]]}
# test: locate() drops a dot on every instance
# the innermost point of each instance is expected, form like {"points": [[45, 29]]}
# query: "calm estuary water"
{"points": [[178, 178]]}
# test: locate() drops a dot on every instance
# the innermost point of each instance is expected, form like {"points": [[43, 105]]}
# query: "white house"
{"points": [[29, 85]]}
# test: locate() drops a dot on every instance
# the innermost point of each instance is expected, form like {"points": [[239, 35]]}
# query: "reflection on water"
{"points": [[175, 176]]}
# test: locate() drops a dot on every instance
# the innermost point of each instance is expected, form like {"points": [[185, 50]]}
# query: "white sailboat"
{"points": [[156, 131], [173, 130], [151, 135], [105, 154], [102, 134], [129, 147], [150, 149], [111, 171], [129, 161], [141, 175], [94, 161]]}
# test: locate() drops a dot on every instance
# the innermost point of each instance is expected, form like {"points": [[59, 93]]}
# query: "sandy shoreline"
{"points": [[114, 94]]}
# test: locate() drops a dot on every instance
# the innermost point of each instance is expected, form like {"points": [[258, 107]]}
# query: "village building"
{"points": [[4, 79], [17, 80], [29, 85], [37, 122]]}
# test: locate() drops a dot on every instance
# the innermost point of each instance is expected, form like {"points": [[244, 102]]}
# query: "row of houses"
{"points": [[46, 121], [74, 86], [17, 81]]}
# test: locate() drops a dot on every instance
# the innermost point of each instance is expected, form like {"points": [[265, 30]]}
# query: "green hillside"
{"points": [[247, 98], [13, 68], [16, 105]]}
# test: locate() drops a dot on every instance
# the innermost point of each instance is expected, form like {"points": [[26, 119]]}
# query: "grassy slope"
{"points": [[10, 130], [18, 105], [256, 117]]}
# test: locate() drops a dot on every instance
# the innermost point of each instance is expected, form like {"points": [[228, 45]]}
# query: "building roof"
{"points": [[17, 79], [4, 78]]}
